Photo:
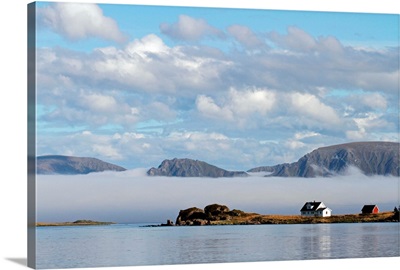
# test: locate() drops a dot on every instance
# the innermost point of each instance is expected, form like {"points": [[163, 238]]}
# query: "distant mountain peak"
{"points": [[59, 164], [185, 167], [371, 158]]}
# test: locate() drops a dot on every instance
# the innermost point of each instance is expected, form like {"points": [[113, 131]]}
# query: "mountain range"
{"points": [[56, 164], [191, 168], [371, 158]]}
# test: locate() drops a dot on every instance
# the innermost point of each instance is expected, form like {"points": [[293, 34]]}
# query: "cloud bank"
{"points": [[131, 196]]}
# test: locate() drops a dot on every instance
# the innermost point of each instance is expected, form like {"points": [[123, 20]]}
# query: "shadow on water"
{"points": [[20, 261]]}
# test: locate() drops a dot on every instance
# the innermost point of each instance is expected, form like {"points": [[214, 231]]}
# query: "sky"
{"points": [[238, 88]]}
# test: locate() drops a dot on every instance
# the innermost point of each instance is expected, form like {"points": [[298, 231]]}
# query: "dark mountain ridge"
{"points": [[191, 168], [57, 164], [371, 158]]}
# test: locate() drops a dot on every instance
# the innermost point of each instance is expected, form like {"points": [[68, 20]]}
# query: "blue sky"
{"points": [[237, 88]]}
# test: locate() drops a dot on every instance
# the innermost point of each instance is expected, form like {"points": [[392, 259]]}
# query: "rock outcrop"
{"points": [[371, 158], [191, 168], [57, 164], [214, 212]]}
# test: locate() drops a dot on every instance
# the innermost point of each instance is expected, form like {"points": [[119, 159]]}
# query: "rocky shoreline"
{"points": [[216, 214]]}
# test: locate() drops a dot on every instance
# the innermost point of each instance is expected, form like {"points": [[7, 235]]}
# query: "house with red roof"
{"points": [[370, 209]]}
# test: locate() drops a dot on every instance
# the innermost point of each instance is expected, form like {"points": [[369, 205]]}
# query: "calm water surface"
{"points": [[131, 244]]}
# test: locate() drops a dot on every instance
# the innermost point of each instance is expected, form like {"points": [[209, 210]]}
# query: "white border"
{"points": [[13, 127]]}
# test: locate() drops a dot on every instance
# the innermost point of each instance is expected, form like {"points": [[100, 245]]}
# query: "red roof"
{"points": [[369, 208]]}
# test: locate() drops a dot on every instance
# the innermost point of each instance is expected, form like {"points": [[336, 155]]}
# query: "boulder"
{"points": [[169, 223], [190, 214], [196, 217], [215, 209]]}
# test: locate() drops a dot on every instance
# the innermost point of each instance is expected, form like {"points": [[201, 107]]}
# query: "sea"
{"points": [[140, 244]]}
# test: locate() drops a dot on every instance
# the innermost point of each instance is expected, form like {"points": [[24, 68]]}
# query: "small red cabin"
{"points": [[370, 209]]}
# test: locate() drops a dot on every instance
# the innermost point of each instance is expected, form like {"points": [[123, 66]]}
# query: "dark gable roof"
{"points": [[314, 206], [368, 207]]}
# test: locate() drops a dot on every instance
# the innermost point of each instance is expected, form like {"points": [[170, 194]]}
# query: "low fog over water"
{"points": [[133, 197]]}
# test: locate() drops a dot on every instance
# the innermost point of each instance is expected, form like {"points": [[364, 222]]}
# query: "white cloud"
{"points": [[79, 21], [189, 29], [304, 142], [106, 151], [149, 64], [296, 39], [160, 111], [207, 107], [309, 106], [197, 136], [325, 61], [208, 144], [128, 136], [87, 108], [238, 106], [144, 65], [245, 36], [150, 44], [305, 134], [375, 101], [377, 80], [330, 45], [86, 132], [293, 144], [370, 120], [368, 126], [99, 103], [259, 101], [356, 135]]}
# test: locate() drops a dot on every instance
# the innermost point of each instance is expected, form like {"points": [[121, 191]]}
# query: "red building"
{"points": [[370, 209]]}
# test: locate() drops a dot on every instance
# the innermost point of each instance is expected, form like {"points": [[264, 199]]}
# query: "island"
{"points": [[81, 222], [216, 214]]}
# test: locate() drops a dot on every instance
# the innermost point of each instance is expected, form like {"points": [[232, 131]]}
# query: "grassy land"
{"points": [[253, 218], [75, 223]]}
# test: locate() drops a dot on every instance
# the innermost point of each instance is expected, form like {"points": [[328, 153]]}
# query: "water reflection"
{"points": [[132, 245], [316, 241], [369, 241]]}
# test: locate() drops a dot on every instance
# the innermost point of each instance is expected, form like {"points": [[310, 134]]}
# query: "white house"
{"points": [[315, 209]]}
